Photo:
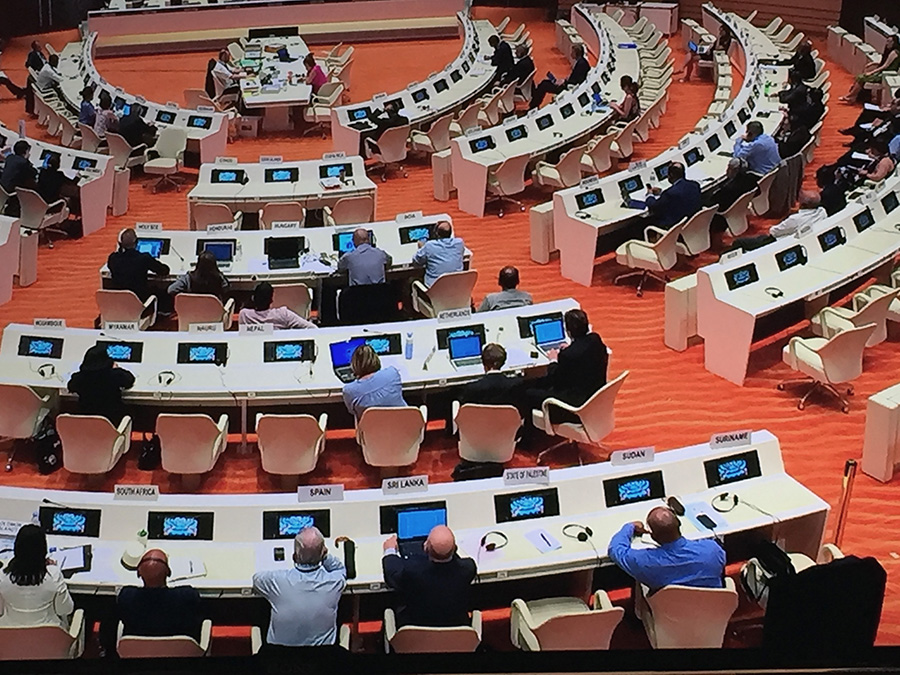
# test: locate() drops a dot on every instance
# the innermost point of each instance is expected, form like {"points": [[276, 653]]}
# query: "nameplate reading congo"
{"points": [[120, 326], [226, 160], [320, 493], [138, 493], [148, 227], [633, 456], [221, 227], [539, 475], [214, 327], [256, 329], [453, 315], [731, 439], [55, 324], [405, 485]]}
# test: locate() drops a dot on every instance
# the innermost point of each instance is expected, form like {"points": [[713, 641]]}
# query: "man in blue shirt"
{"points": [[699, 563], [365, 264], [758, 149], [441, 255], [87, 113], [681, 200], [304, 598]]}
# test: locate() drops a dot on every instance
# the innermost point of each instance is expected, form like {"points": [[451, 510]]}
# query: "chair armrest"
{"points": [[76, 628], [255, 640], [520, 607], [58, 204], [150, 302], [238, 219], [656, 231], [124, 425], [222, 424], [543, 165], [205, 635], [390, 629], [833, 323], [830, 552], [323, 421], [229, 307], [258, 418], [602, 601], [476, 622], [545, 407], [454, 411], [424, 410], [344, 636], [636, 243], [140, 146]]}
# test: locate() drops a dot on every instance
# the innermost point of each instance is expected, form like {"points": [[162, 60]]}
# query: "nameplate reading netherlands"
{"points": [[138, 493], [405, 485], [320, 493], [632, 456], [731, 439], [55, 324], [539, 475], [452, 315]]}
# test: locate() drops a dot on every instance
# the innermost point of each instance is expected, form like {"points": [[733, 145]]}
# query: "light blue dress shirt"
{"points": [[761, 154], [380, 389], [440, 256], [304, 602], [365, 265], [894, 147], [699, 563]]}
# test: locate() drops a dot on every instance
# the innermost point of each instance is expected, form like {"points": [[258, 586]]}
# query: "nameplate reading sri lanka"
{"points": [[404, 485]]}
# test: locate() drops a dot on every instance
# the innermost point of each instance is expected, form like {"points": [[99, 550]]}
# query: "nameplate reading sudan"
{"points": [[731, 439], [539, 475], [632, 456], [405, 485], [136, 493], [320, 493]]}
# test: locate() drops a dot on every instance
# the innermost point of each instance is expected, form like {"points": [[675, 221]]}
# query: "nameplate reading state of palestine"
{"points": [[730, 439], [539, 475], [57, 324], [138, 493], [405, 485], [320, 493], [632, 456]]}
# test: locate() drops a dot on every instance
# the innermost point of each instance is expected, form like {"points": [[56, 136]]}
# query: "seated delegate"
{"points": [[523, 67], [550, 85], [501, 59], [509, 294], [364, 264], [128, 267], [18, 172], [682, 199], [810, 212], [441, 255], [99, 383], [204, 279], [874, 72], [757, 148], [494, 387], [260, 311], [53, 185], [374, 386], [385, 119], [630, 106]]}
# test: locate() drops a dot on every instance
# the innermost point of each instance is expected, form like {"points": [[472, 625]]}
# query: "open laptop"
{"points": [[465, 350], [284, 252], [223, 251], [341, 353], [413, 527], [550, 334]]}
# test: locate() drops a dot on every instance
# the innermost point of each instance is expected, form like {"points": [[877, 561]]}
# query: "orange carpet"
{"points": [[669, 400]]}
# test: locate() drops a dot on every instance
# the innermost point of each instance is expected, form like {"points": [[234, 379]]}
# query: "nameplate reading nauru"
{"points": [[138, 493], [404, 485], [214, 327], [539, 475], [57, 324], [320, 493], [731, 439], [632, 456]]}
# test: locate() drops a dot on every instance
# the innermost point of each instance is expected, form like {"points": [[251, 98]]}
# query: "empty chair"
{"points": [[490, 111], [391, 437], [296, 297], [467, 119], [126, 306], [166, 158], [194, 98], [514, 35], [331, 54], [683, 617], [341, 75], [290, 445], [39, 216], [506, 180], [391, 151], [760, 203], [649, 260], [318, 113], [773, 26], [124, 155], [171, 646], [553, 624], [563, 174], [22, 410], [865, 309], [204, 214], [487, 433], [623, 145], [91, 444], [525, 90], [69, 135], [828, 362], [338, 60], [436, 139], [449, 291], [48, 641], [349, 211], [736, 215], [783, 33], [202, 308], [281, 212], [695, 233], [90, 141], [430, 640], [642, 128], [596, 158], [870, 294], [508, 98], [191, 444]]}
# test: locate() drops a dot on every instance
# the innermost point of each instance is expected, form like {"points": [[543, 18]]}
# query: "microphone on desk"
{"points": [[175, 251], [56, 504], [428, 358]]}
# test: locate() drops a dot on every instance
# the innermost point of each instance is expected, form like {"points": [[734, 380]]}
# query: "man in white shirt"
{"points": [[49, 77], [224, 75], [810, 212]]}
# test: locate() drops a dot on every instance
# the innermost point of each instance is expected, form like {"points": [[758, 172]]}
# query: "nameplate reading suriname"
{"points": [[138, 493], [56, 324], [731, 439], [321, 493], [539, 475], [404, 485]]}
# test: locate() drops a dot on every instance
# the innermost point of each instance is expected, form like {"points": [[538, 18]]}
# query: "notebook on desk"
{"points": [[549, 335]]}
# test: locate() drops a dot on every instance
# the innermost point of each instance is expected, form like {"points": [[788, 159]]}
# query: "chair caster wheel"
{"points": [[384, 179], [780, 386], [521, 208], [405, 175], [801, 405], [640, 294], [845, 409], [500, 215], [850, 391], [50, 244]]}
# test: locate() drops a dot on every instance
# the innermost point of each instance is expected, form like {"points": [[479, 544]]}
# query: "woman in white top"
{"points": [[260, 310], [32, 590]]}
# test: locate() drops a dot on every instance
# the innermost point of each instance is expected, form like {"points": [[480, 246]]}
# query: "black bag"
{"points": [[48, 447], [769, 565], [151, 454], [466, 470]]}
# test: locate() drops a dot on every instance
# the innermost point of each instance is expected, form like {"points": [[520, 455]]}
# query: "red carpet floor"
{"points": [[669, 400]]}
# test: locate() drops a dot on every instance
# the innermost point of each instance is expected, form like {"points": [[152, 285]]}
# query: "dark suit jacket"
{"points": [[128, 271], [681, 200], [733, 188], [159, 612], [35, 61], [502, 58], [384, 121], [580, 70], [17, 172], [793, 142], [135, 130], [580, 370], [493, 388], [100, 392], [430, 593], [520, 71]]}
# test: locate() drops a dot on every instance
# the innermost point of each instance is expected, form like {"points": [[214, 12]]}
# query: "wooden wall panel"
{"points": [[810, 16]]}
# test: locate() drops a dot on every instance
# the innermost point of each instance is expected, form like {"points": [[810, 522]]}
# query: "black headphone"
{"points": [[724, 502], [584, 532], [46, 370], [494, 545]]}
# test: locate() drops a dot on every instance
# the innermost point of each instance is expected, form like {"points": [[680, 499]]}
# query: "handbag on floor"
{"points": [[151, 453], [48, 447]]}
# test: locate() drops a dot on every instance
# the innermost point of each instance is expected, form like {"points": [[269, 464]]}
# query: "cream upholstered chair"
{"points": [[555, 624], [21, 412], [487, 433], [800, 561], [449, 291], [281, 212], [828, 362], [331, 54], [642, 128], [392, 150], [490, 112], [390, 437], [166, 158], [563, 174], [91, 444], [736, 215], [683, 617], [173, 646], [68, 134], [296, 297], [875, 291], [866, 308], [695, 233], [90, 141], [515, 35], [506, 180], [290, 445], [436, 139], [623, 145], [760, 203], [340, 73], [4, 198], [773, 26], [235, 51], [596, 158], [194, 98], [318, 112], [126, 306], [597, 417], [525, 90], [124, 156], [467, 119], [650, 260], [43, 642], [429, 640], [191, 444], [39, 216], [205, 214], [508, 99], [202, 308], [349, 211]]}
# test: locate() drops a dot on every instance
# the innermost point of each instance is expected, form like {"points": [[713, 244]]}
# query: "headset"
{"points": [[46, 370], [584, 532], [153, 558], [167, 377], [724, 502], [494, 545]]}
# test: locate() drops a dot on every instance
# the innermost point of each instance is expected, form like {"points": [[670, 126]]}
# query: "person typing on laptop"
{"points": [[494, 387], [205, 278], [364, 263], [128, 267], [374, 386]]}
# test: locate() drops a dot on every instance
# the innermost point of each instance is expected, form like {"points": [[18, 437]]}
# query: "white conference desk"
{"points": [[207, 130], [238, 549], [94, 173], [545, 130], [9, 256], [287, 88], [881, 445], [727, 317], [876, 33], [255, 191]]}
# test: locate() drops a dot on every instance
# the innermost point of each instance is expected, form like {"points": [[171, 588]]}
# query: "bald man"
{"points": [[432, 589], [365, 264], [441, 255], [304, 598], [155, 609], [675, 560]]}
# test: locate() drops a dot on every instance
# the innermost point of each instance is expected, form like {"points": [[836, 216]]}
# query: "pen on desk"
{"points": [[546, 541]]}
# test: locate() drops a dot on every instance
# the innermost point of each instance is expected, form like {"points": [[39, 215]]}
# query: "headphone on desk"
{"points": [[584, 532], [46, 370], [494, 545], [724, 502]]}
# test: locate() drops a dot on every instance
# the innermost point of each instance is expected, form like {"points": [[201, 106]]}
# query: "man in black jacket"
{"points": [[389, 118], [128, 267], [502, 58], [580, 70], [18, 172], [523, 67], [493, 388], [432, 589]]}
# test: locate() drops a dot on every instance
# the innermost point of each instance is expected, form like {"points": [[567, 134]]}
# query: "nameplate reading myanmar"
{"points": [[256, 329], [320, 493], [214, 327], [405, 485], [120, 326], [539, 475], [56, 324], [731, 439], [453, 315], [286, 225], [138, 493], [633, 456]]}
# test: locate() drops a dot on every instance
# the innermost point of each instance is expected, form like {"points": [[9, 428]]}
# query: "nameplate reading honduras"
{"points": [[148, 227], [731, 439], [452, 315], [57, 324], [213, 327], [256, 328], [221, 227], [632, 456], [138, 493], [529, 475], [405, 485], [120, 326], [320, 493], [334, 155]]}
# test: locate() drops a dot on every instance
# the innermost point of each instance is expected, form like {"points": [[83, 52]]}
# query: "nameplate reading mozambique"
{"points": [[121, 326], [334, 155], [137, 493], [286, 225], [633, 456], [256, 329], [271, 159], [320, 493], [214, 327], [409, 215], [221, 227], [453, 315], [55, 324], [731, 439], [589, 182], [539, 475], [405, 485], [148, 227], [226, 160], [10, 528], [472, 131]]}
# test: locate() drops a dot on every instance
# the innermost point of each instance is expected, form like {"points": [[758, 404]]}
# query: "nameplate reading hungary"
{"points": [[405, 485], [730, 439], [321, 493], [532, 475], [137, 493]]}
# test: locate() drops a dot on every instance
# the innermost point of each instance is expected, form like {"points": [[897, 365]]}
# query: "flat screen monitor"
{"points": [[516, 133], [455, 75], [119, 103], [289, 351], [342, 242], [214, 353], [586, 200], [526, 505], [414, 524], [386, 344], [69, 522], [342, 352], [41, 347], [631, 184], [420, 95], [633, 489], [288, 524], [832, 238], [692, 156], [389, 516], [464, 346], [890, 202], [199, 122], [713, 143], [731, 469], [126, 109], [567, 111], [45, 158], [465, 65], [730, 129], [526, 323], [741, 276], [662, 171], [544, 122], [234, 176], [441, 85], [285, 174], [222, 249], [151, 246], [548, 332], [336, 170], [863, 221], [791, 257], [481, 144], [743, 115], [123, 352], [166, 116], [83, 163], [444, 334], [357, 114], [584, 99], [284, 248], [416, 233], [180, 525]]}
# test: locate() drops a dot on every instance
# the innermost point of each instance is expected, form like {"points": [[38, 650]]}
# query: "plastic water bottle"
{"points": [[409, 346]]}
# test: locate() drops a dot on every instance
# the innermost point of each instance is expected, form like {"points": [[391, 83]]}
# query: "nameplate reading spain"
{"points": [[531, 475], [55, 324], [405, 485], [138, 493], [453, 315], [632, 456], [731, 439], [320, 493]]}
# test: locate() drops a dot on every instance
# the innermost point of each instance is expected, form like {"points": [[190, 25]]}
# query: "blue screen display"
{"points": [[223, 251], [65, 522], [634, 490], [345, 242], [289, 526], [199, 122], [165, 117], [733, 469], [416, 524], [741, 277], [381, 345], [544, 122], [418, 233], [526, 505], [288, 352], [180, 526], [202, 354], [151, 246], [631, 184], [464, 347], [40, 348], [281, 175], [227, 176], [548, 331], [359, 114], [341, 352], [481, 144], [790, 258], [119, 352], [82, 163]]}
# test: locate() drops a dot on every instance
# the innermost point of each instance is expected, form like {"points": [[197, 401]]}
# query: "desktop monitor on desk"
{"points": [[832, 238], [633, 489], [526, 505], [713, 143], [180, 526], [119, 103], [544, 122], [357, 114], [45, 158], [444, 334], [662, 171], [630, 184], [284, 248], [441, 86], [288, 174], [154, 246], [584, 99], [166, 116], [890, 202], [693, 156], [289, 351], [210, 353], [199, 122], [731, 469], [730, 129], [342, 242], [288, 524], [228, 176], [743, 115], [515, 133], [126, 109], [791, 257], [741, 276], [481, 144], [455, 76], [586, 200], [526, 323], [123, 352], [69, 522], [420, 95], [863, 221], [567, 111], [83, 163], [42, 347], [416, 233], [336, 170]]}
